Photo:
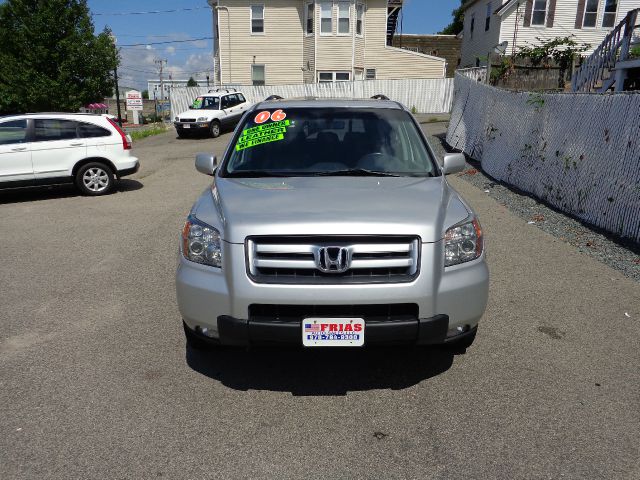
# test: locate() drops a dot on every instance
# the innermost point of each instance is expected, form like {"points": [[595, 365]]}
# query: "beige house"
{"points": [[274, 42]]}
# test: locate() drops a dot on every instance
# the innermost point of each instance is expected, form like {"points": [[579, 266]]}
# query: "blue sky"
{"points": [[194, 58]]}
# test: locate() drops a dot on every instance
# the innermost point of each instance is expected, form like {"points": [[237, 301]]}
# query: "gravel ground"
{"points": [[619, 254]]}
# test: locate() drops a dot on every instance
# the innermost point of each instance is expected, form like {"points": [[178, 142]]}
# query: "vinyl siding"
{"points": [[335, 52], [389, 62], [564, 25], [309, 60], [483, 41], [280, 48]]}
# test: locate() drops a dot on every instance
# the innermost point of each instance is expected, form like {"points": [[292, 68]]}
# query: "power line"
{"points": [[151, 12], [168, 41]]}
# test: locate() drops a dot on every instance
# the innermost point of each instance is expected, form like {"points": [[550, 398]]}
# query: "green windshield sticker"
{"points": [[262, 134], [197, 103]]}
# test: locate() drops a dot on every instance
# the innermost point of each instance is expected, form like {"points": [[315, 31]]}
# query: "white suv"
{"points": [[89, 150], [212, 112]]}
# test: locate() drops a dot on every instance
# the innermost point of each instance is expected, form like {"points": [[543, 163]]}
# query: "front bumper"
{"points": [[219, 300], [191, 125], [243, 333]]}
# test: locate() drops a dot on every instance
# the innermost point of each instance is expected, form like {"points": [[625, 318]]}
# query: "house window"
{"points": [[539, 12], [487, 21], [590, 14], [257, 75], [310, 13], [330, 77], [359, 19], [257, 18], [344, 19], [473, 25], [370, 74], [326, 19], [610, 11]]}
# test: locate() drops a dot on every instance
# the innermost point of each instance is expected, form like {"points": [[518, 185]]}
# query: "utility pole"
{"points": [[161, 63], [115, 74]]}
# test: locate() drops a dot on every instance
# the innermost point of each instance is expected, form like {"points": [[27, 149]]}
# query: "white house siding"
{"points": [[564, 25], [283, 27], [309, 59], [394, 63], [483, 41]]}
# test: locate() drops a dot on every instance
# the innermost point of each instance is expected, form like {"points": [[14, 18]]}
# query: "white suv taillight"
{"points": [[126, 144]]}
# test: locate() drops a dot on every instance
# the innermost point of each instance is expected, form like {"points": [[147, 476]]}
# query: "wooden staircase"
{"points": [[609, 66]]}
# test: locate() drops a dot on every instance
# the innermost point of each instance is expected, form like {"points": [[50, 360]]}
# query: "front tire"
{"points": [[95, 179], [214, 129]]}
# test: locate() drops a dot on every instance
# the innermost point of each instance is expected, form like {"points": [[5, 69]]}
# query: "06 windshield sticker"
{"points": [[264, 132]]}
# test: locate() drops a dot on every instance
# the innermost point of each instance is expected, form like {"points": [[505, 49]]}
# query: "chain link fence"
{"points": [[579, 153]]}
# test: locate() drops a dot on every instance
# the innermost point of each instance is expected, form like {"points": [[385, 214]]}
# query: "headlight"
{"points": [[463, 243], [201, 243], [177, 119], [202, 119]]}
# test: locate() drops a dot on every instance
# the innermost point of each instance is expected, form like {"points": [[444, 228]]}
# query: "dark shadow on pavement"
{"points": [[321, 372], [34, 194]]}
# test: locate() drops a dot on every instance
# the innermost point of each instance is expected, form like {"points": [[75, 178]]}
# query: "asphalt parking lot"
{"points": [[96, 382]]}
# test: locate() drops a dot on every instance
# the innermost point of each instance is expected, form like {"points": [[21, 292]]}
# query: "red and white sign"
{"points": [[134, 100]]}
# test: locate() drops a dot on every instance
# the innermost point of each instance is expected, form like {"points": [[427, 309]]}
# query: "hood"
{"points": [[331, 206]]}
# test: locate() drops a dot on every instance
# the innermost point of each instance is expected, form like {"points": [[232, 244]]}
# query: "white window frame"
{"points": [[360, 11], [584, 15], [333, 76], [307, 18], [264, 69], [340, 5], [366, 73], [615, 14], [322, 5], [251, 19], [546, 14]]}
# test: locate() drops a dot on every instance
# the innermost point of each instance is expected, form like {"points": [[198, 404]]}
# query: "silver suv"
{"points": [[330, 223]]}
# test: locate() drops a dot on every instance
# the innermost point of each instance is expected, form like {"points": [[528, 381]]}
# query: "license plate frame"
{"points": [[345, 332]]}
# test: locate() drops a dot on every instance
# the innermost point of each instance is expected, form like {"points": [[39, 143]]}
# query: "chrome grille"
{"points": [[383, 259]]}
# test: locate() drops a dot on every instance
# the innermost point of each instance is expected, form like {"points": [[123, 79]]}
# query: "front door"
{"points": [[15, 153]]}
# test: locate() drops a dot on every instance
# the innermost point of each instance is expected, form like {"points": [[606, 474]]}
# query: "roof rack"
{"points": [[379, 96], [228, 90], [273, 97]]}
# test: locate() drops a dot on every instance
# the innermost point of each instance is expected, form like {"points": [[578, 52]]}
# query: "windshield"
{"points": [[205, 103], [327, 142]]}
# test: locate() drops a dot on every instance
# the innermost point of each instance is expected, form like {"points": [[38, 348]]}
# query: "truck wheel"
{"points": [[193, 341], [94, 179], [214, 129]]}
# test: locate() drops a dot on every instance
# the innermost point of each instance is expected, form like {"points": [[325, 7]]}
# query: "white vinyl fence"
{"points": [[578, 152], [432, 95]]}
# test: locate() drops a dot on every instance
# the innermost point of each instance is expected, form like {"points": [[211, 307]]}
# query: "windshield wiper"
{"points": [[355, 172]]}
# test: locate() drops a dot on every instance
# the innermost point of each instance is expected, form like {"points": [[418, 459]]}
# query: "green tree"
{"points": [[50, 58], [457, 25], [192, 82], [145, 94]]}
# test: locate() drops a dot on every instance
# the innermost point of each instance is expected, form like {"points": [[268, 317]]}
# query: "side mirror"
{"points": [[206, 163], [453, 163]]}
